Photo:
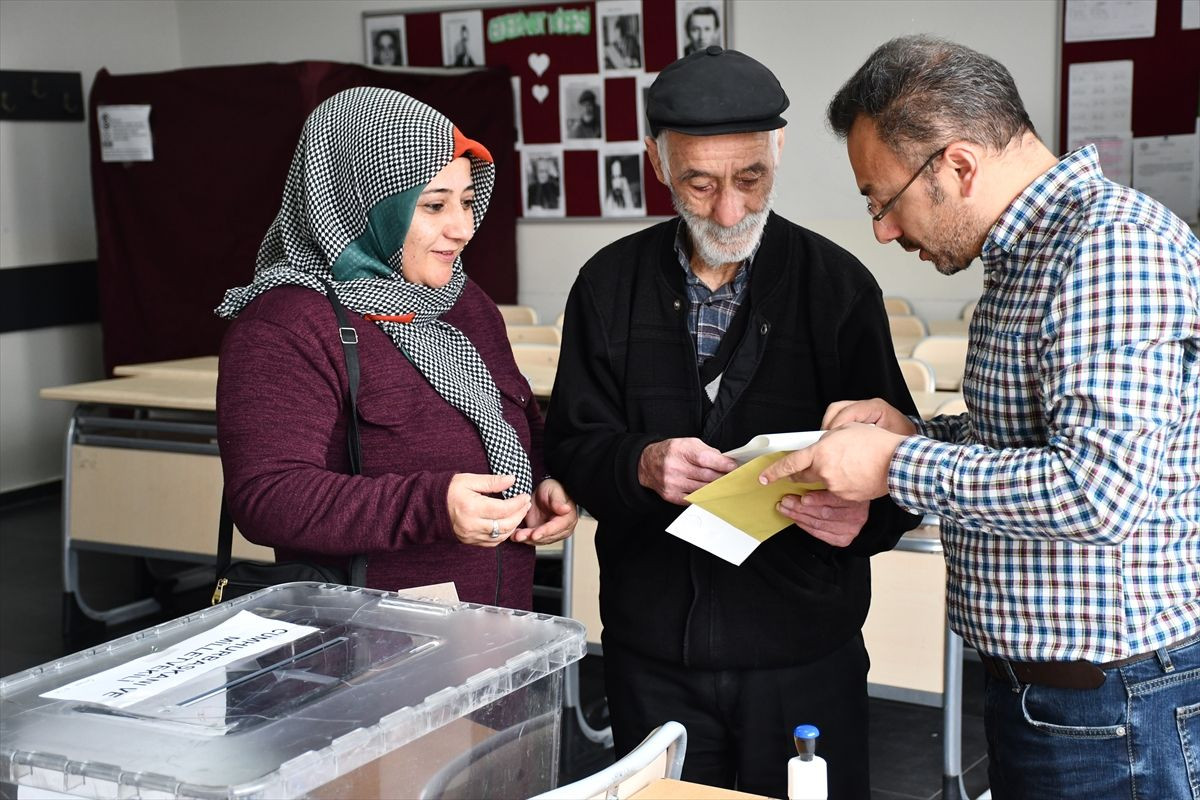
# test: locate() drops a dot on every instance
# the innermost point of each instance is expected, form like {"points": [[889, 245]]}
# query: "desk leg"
{"points": [[73, 602], [952, 784]]}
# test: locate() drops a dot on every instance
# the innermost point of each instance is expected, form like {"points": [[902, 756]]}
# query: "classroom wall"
{"points": [[46, 204], [812, 45]]}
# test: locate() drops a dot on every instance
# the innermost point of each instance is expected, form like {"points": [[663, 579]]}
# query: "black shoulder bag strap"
{"points": [[349, 339]]}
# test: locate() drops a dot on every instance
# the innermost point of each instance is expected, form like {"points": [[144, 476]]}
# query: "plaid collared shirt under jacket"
{"points": [[1070, 492]]}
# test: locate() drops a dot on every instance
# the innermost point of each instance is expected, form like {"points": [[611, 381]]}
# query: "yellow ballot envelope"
{"points": [[735, 513], [743, 502]]}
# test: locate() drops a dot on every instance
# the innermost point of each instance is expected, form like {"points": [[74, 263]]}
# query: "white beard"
{"points": [[716, 244]]}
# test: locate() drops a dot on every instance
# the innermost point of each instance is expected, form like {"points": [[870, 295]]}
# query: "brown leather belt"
{"points": [[1068, 674]]}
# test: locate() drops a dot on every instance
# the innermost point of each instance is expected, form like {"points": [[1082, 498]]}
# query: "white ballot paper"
{"points": [[734, 514], [774, 443], [238, 637]]}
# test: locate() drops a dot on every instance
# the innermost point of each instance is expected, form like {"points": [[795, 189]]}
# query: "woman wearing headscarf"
{"points": [[382, 195]]}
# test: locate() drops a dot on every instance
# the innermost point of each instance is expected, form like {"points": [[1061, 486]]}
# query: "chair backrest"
{"points": [[532, 354], [897, 305], [948, 357], [660, 755], [558, 321], [906, 330], [917, 374], [968, 310], [539, 364], [518, 315], [533, 334]]}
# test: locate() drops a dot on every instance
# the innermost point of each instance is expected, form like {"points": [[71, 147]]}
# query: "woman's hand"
{"points": [[551, 518], [474, 515]]}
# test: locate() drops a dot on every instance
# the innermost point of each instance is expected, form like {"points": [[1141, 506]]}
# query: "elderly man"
{"points": [[685, 340], [1070, 491]]}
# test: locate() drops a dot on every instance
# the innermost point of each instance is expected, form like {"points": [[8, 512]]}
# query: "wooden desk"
{"points": [[142, 476], [199, 367], [905, 627], [669, 789], [197, 393], [915, 657]]}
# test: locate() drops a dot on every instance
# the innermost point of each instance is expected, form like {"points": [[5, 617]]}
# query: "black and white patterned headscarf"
{"points": [[364, 158]]}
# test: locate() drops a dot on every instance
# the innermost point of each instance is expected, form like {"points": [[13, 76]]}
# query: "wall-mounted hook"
{"points": [[69, 104], [5, 105], [36, 90]]}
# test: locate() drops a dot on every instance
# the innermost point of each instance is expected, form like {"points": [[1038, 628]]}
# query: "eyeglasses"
{"points": [[881, 213]]}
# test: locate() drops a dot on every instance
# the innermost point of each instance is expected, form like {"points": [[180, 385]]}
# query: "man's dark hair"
{"points": [[922, 92], [702, 11]]}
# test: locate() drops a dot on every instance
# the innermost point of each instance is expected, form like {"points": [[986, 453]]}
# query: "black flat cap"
{"points": [[715, 91]]}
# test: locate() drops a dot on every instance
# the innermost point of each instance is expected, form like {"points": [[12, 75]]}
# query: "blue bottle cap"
{"points": [[806, 732], [805, 737]]}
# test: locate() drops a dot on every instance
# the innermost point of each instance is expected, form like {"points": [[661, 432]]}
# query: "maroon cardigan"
{"points": [[281, 421]]}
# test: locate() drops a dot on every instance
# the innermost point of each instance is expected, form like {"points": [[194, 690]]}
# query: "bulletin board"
{"points": [[1149, 49], [579, 74]]}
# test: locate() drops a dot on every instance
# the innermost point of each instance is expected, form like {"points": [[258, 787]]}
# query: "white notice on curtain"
{"points": [[1096, 20], [1189, 14], [125, 133], [1166, 168], [238, 637]]}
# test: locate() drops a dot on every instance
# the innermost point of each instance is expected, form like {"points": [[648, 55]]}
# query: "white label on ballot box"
{"points": [[239, 637]]}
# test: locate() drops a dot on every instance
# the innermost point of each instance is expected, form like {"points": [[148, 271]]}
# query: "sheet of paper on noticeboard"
{"points": [[1167, 169], [1100, 20]]}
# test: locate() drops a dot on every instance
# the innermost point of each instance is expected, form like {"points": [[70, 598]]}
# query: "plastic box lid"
{"points": [[271, 694]]}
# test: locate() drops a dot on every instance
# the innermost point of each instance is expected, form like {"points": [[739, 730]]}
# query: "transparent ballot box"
{"points": [[299, 690]]}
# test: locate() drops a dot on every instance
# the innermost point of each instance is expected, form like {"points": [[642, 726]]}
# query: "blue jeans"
{"points": [[1136, 737]]}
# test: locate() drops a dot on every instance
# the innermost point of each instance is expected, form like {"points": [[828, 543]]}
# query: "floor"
{"points": [[905, 739]]}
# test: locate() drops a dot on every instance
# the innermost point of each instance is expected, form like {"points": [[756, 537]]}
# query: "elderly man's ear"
{"points": [[655, 159]]}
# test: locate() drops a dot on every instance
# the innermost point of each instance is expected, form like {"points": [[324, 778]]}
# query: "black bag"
{"points": [[236, 578]]}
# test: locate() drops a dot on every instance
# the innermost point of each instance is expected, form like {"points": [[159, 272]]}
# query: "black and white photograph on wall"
{"points": [[619, 39], [621, 181], [698, 24], [541, 184], [462, 39], [383, 39], [644, 80], [581, 107]]}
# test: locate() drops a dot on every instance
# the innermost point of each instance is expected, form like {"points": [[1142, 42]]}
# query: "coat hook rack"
{"points": [[47, 96]]}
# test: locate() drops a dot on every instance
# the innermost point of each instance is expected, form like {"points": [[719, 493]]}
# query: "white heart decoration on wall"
{"points": [[539, 63], [540, 92]]}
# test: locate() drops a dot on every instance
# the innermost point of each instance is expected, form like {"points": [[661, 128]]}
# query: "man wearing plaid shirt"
{"points": [[1070, 491]]}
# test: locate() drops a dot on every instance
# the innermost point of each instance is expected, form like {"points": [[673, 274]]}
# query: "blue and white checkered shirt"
{"points": [[709, 312], [1070, 492]]}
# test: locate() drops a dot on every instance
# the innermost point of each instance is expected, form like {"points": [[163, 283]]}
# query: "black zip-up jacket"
{"points": [[627, 377]]}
